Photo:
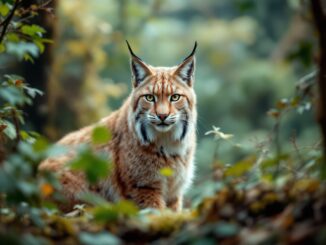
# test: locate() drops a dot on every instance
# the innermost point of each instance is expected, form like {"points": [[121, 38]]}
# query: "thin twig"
{"points": [[7, 21], [16, 123], [276, 131], [293, 140], [41, 6]]}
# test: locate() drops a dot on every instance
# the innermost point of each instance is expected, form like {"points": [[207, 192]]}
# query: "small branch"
{"points": [[7, 21], [41, 6], [16, 123], [293, 140], [278, 148]]}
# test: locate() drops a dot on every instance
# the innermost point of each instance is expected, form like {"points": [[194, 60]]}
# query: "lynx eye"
{"points": [[175, 97], [150, 97]]}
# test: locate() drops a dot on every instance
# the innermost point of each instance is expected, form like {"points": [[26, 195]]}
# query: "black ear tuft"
{"points": [[132, 52], [192, 52]]}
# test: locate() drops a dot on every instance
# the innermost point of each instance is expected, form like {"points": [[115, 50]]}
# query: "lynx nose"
{"points": [[162, 116]]}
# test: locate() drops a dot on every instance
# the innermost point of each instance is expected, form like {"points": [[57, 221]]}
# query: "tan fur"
{"points": [[138, 159]]}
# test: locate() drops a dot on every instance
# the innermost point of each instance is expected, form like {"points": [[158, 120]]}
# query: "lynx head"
{"points": [[163, 99]]}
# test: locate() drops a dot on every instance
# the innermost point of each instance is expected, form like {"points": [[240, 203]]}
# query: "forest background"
{"points": [[256, 73]]}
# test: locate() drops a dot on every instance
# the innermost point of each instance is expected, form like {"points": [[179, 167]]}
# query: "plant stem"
{"points": [[277, 145], [16, 123], [7, 21]]}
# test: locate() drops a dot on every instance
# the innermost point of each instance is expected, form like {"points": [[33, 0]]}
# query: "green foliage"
{"points": [[4, 9], [113, 212], [96, 167], [32, 30], [21, 192], [14, 93], [18, 176], [248, 193], [240, 168], [21, 39], [101, 135]]}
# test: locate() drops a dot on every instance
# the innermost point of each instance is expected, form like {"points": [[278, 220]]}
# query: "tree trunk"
{"points": [[37, 73], [320, 23]]}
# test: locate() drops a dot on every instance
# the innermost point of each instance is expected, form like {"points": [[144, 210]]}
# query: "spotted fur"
{"points": [[147, 136]]}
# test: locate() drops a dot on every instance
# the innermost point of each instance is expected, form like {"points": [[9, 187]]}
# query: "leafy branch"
{"points": [[7, 21]]}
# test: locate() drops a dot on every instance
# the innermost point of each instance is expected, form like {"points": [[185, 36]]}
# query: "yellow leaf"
{"points": [[167, 172], [4, 9], [77, 48]]}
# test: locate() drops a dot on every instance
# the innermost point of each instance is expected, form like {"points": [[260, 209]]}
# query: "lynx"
{"points": [[153, 129]]}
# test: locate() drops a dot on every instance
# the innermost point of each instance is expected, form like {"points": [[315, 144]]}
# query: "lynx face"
{"points": [[163, 100]]}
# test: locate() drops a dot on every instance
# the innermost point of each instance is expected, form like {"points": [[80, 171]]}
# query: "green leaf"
{"points": [[32, 30], [2, 48], [12, 37], [105, 213], [24, 135], [11, 95], [40, 45], [240, 168], [101, 135], [33, 91], [272, 162], [45, 40], [167, 172], [94, 166], [28, 57], [40, 145], [92, 198], [10, 130], [111, 212], [22, 49], [4, 9], [127, 208]]}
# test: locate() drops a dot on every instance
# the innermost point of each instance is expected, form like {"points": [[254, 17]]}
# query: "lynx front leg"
{"points": [[175, 204], [148, 197], [72, 184]]}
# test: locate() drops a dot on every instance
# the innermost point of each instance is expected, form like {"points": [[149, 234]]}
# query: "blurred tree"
{"points": [[79, 92], [123, 16], [320, 22], [37, 73]]}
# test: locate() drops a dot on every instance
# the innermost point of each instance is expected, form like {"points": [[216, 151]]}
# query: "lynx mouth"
{"points": [[163, 127], [163, 124]]}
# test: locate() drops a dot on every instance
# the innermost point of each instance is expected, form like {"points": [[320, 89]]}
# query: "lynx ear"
{"points": [[186, 69], [139, 69]]}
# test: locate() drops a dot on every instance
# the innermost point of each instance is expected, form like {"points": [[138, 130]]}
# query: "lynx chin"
{"points": [[153, 129]]}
